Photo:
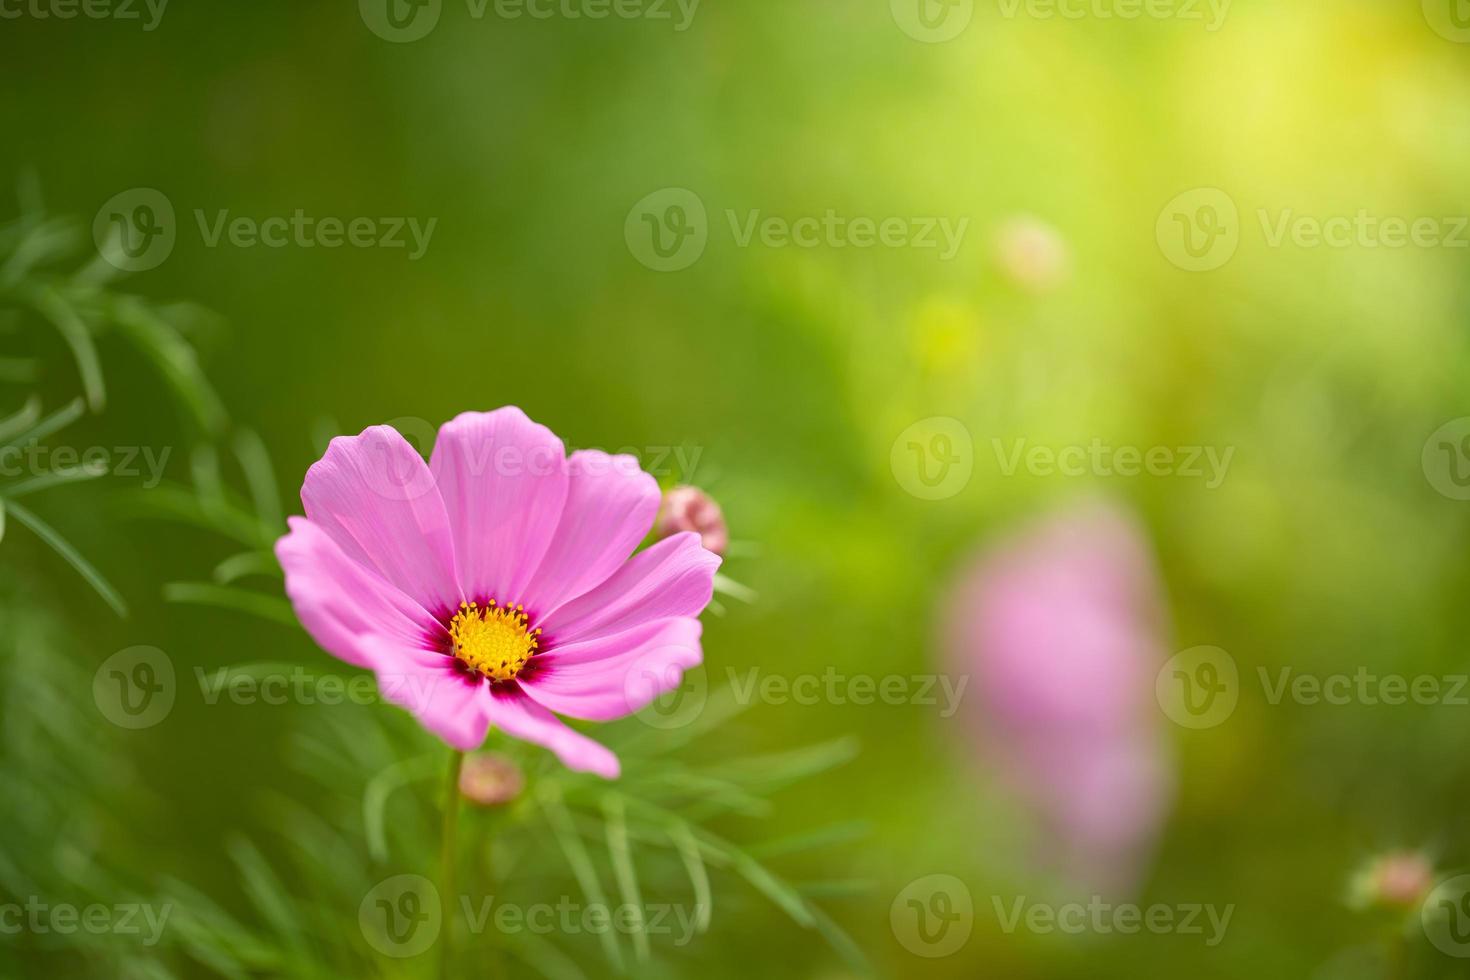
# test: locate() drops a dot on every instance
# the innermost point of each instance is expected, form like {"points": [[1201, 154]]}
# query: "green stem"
{"points": [[447, 856]]}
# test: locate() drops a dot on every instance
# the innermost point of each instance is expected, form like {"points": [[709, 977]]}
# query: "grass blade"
{"points": [[72, 557], [688, 849], [270, 607], [53, 423], [54, 307], [260, 477], [623, 868], [560, 823]]}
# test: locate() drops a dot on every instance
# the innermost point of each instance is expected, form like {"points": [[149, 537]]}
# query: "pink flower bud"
{"points": [[1032, 254], [489, 779], [691, 509], [1398, 879]]}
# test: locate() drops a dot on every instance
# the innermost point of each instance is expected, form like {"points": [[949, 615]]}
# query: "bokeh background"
{"points": [[788, 376]]}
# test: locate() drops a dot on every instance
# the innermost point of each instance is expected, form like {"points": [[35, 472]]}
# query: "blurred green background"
{"points": [[790, 372]]}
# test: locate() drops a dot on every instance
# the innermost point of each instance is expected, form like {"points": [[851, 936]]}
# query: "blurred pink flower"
{"points": [[1032, 254], [1396, 880], [493, 585], [691, 509], [490, 779], [1062, 628]]}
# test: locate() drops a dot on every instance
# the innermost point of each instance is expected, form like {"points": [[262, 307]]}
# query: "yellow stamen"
{"points": [[493, 640]]}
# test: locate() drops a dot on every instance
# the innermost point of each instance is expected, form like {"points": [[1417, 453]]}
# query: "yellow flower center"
{"points": [[493, 640]]}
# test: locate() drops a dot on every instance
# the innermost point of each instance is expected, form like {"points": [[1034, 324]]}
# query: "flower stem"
{"points": [[449, 843]]}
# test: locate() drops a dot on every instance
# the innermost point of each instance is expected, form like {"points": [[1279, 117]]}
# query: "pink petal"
{"points": [[610, 506], [340, 601], [672, 578], [504, 482], [612, 677], [520, 717], [450, 704], [375, 497]]}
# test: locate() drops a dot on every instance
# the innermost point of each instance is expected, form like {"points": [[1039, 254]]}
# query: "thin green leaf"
{"points": [[208, 483], [175, 358], [41, 242], [266, 892], [236, 567], [833, 836], [839, 940], [56, 478], [260, 477], [72, 557], [15, 426], [54, 307], [627, 875], [728, 586], [765, 881], [688, 848], [375, 798], [269, 607], [50, 425], [177, 503], [560, 823], [836, 888]]}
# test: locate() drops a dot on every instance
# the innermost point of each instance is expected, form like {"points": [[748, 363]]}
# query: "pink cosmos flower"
{"points": [[1063, 628], [493, 586]]}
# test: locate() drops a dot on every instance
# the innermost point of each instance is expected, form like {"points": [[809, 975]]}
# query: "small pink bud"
{"points": [[489, 779], [1398, 879], [1404, 879], [1032, 254], [691, 509]]}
